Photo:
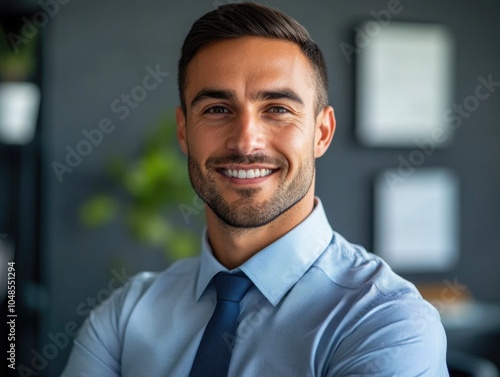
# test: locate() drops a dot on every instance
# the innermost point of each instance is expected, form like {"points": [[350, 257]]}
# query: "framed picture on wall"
{"points": [[404, 75], [416, 219]]}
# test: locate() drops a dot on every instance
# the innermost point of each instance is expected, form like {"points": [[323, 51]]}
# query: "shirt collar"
{"points": [[277, 267]]}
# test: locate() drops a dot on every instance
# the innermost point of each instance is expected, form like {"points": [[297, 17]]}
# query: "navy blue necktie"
{"points": [[214, 352]]}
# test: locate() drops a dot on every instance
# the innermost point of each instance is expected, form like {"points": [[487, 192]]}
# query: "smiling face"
{"points": [[250, 129]]}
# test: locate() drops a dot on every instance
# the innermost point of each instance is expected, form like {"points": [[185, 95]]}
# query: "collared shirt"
{"points": [[320, 306]]}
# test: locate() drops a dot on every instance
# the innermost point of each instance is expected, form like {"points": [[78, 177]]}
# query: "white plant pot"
{"points": [[19, 105]]}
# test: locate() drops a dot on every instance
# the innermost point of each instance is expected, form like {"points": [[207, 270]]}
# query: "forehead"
{"points": [[250, 64]]}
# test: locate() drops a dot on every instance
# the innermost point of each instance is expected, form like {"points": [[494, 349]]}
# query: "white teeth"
{"points": [[246, 174]]}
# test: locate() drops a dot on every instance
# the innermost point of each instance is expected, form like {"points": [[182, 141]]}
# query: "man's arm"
{"points": [[96, 349], [397, 337], [98, 346]]}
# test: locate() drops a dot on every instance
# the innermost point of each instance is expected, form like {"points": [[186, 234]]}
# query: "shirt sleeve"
{"points": [[97, 347], [400, 337]]}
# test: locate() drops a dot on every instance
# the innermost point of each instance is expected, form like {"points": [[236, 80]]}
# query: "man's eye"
{"points": [[217, 110], [278, 110]]}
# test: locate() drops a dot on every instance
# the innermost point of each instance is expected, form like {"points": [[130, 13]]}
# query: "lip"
{"points": [[246, 167]]}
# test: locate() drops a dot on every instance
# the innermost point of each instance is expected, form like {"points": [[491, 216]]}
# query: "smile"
{"points": [[246, 174]]}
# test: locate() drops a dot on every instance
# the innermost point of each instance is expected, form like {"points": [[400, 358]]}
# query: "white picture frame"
{"points": [[417, 219], [404, 84]]}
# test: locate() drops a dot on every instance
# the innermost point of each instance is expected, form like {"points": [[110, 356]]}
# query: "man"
{"points": [[253, 119]]}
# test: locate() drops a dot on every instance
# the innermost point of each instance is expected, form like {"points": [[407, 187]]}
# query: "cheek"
{"points": [[201, 144], [295, 143]]}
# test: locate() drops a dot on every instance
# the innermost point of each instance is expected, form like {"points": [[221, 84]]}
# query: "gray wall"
{"points": [[97, 50]]}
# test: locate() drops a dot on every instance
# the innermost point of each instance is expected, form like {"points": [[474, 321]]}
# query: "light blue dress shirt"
{"points": [[320, 306]]}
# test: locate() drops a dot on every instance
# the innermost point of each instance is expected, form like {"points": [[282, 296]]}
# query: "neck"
{"points": [[234, 246]]}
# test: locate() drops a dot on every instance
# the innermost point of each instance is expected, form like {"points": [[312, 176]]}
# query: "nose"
{"points": [[246, 134]]}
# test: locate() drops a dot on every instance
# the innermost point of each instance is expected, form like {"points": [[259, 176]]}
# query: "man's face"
{"points": [[250, 128]]}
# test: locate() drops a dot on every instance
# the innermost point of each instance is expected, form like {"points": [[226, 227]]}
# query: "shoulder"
{"points": [[384, 319], [98, 347], [368, 286], [352, 267], [112, 315]]}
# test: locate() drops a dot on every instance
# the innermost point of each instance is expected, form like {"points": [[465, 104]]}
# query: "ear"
{"points": [[181, 129], [325, 128]]}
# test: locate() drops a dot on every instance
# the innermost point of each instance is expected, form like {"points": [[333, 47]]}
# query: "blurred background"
{"points": [[93, 188]]}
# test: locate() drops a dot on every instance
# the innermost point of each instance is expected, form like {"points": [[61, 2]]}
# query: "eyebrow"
{"points": [[262, 95], [266, 95], [213, 93]]}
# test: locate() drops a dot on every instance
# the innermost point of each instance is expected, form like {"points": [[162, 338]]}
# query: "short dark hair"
{"points": [[251, 19]]}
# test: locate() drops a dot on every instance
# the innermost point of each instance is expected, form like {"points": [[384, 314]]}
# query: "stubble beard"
{"points": [[247, 212]]}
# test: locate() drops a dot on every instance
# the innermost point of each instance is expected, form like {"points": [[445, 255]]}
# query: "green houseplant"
{"points": [[19, 63], [151, 189]]}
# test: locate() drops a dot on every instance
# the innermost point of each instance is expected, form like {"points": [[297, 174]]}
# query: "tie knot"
{"points": [[231, 287]]}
